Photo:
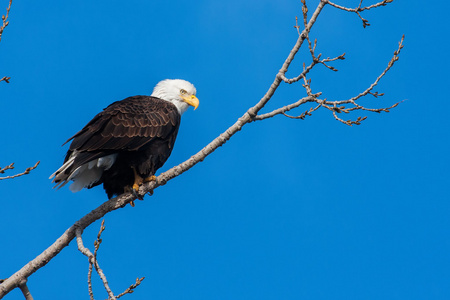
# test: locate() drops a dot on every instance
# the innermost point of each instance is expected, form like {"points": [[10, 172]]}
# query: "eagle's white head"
{"points": [[180, 92]]}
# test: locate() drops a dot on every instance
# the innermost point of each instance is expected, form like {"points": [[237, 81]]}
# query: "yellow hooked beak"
{"points": [[191, 100]]}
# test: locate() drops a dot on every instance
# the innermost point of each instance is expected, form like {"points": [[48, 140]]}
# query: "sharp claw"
{"points": [[136, 194]]}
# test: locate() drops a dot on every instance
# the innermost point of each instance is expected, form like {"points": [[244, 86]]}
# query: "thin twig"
{"points": [[131, 288], [97, 243], [91, 292], [5, 20], [389, 66], [315, 59], [337, 107], [8, 167], [304, 114], [5, 23], [284, 109], [360, 8], [93, 261], [5, 79], [11, 166]]}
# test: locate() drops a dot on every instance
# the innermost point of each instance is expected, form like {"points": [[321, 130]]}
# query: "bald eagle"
{"points": [[125, 144]]}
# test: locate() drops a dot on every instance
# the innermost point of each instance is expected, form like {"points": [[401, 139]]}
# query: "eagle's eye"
{"points": [[183, 92]]}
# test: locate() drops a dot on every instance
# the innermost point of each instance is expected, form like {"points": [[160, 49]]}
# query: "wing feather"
{"points": [[127, 125]]}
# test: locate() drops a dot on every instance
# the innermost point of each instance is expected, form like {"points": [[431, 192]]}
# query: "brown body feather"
{"points": [[141, 130]]}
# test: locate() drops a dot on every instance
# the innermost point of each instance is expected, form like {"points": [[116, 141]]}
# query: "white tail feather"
{"points": [[64, 167], [85, 179], [85, 175]]}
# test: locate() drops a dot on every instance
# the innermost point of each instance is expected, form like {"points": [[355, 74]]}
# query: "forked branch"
{"points": [[25, 291], [336, 107], [360, 8], [93, 263], [340, 106]]}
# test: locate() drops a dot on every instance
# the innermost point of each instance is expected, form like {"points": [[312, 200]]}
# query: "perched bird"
{"points": [[124, 145]]}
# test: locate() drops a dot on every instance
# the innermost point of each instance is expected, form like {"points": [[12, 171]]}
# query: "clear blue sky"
{"points": [[287, 209]]}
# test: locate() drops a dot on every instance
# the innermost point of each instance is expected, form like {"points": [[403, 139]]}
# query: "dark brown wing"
{"points": [[127, 125]]}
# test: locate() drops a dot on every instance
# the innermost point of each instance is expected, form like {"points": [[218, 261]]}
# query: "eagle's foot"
{"points": [[135, 192], [138, 180], [151, 178], [135, 187]]}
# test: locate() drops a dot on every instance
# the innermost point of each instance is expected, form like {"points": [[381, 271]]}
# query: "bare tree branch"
{"points": [[284, 109], [389, 66], [11, 166], [25, 291], [252, 114], [5, 20], [6, 79], [93, 261], [5, 23], [97, 243], [336, 107], [131, 288], [360, 8], [339, 106], [8, 167]]}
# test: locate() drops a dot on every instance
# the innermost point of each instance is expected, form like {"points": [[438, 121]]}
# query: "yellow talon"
{"points": [[138, 181], [151, 178]]}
